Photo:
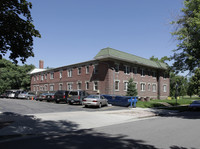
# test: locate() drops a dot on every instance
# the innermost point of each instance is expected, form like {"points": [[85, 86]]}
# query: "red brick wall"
{"points": [[105, 79]]}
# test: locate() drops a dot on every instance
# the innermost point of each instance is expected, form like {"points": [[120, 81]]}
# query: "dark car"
{"points": [[76, 96], [195, 105], [61, 96], [50, 97]]}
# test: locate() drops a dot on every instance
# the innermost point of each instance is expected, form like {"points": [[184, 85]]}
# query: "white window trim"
{"points": [[118, 85], [79, 73], [149, 84], [71, 84], [153, 88], [142, 89], [51, 75], [94, 85], [69, 72], [87, 69], [136, 84], [86, 85], [142, 73], [126, 69], [125, 81], [94, 68], [77, 83], [60, 74], [164, 88]]}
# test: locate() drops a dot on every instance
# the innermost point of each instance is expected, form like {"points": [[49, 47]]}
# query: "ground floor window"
{"points": [[51, 87], [87, 85], [79, 85], [154, 87], [125, 86], [60, 86], [142, 85], [69, 86], [95, 85], [116, 85], [164, 88]]}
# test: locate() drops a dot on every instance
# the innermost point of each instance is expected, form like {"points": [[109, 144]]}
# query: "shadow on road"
{"points": [[28, 132]]}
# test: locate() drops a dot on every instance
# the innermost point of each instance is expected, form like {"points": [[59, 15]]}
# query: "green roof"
{"points": [[116, 54]]}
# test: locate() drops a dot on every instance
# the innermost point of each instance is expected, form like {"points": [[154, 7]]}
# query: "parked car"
{"points": [[50, 97], [195, 105], [4, 95], [41, 96], [18, 92], [76, 96], [30, 95], [22, 95], [61, 95], [95, 100], [11, 93]]}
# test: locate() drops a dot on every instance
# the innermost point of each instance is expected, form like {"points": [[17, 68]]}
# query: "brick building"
{"points": [[107, 73]]}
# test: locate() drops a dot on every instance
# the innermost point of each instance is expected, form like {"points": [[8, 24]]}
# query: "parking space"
{"points": [[22, 106]]}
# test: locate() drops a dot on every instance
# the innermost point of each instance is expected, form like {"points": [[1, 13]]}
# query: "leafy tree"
{"points": [[187, 54], [190, 89], [131, 91], [16, 29], [162, 60], [13, 76], [179, 84], [195, 81]]}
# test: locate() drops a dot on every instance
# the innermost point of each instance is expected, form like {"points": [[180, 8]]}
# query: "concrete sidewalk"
{"points": [[47, 123]]}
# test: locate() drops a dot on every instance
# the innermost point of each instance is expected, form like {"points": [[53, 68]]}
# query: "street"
{"points": [[38, 130]]}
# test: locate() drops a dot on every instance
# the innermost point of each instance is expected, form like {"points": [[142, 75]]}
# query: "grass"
{"points": [[161, 103]]}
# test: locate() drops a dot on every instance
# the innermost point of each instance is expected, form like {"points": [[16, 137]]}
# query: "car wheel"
{"points": [[86, 106], [57, 101], [100, 105], [28, 98]]}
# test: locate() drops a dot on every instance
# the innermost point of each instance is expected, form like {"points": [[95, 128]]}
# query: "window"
{"points": [[164, 88], [79, 71], [154, 87], [34, 88], [125, 86], [142, 85], [45, 87], [60, 74], [116, 85], [149, 87], [51, 87], [69, 73], [45, 76], [79, 84], [37, 77], [69, 86], [95, 85], [52, 75], [126, 69], [34, 78], [165, 76], [87, 85], [42, 77], [135, 70], [60, 86], [142, 72], [136, 85], [116, 67], [95, 69], [154, 74], [87, 69]]}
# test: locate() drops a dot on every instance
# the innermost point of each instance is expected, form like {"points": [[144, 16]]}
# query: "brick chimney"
{"points": [[41, 64]]}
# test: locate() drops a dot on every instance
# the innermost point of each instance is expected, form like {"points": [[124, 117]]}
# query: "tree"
{"points": [[13, 76], [190, 89], [187, 54], [131, 91], [162, 60], [16, 29], [195, 81]]}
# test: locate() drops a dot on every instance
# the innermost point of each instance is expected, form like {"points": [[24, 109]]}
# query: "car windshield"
{"points": [[73, 93], [93, 96]]}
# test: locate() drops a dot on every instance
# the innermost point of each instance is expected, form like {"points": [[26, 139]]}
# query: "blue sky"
{"points": [[76, 30]]}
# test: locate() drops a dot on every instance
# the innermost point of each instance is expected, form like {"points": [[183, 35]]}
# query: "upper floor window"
{"points": [[52, 75], [95, 69], [135, 70], [69, 73], [42, 77], [45, 76], [116, 67], [79, 70], [61, 74], [142, 72], [87, 85], [154, 74], [34, 78], [87, 70], [127, 69]]}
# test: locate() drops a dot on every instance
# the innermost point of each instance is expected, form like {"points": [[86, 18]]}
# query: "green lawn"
{"points": [[162, 103]]}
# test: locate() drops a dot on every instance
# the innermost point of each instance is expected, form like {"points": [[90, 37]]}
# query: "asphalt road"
{"points": [[21, 106], [176, 131]]}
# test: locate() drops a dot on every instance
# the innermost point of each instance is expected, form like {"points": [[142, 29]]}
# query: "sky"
{"points": [[75, 31]]}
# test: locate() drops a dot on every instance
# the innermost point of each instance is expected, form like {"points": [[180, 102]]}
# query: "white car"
{"points": [[95, 100]]}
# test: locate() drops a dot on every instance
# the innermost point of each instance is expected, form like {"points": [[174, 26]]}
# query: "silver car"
{"points": [[95, 100]]}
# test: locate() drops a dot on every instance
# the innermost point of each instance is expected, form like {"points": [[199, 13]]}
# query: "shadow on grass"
{"points": [[29, 132]]}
